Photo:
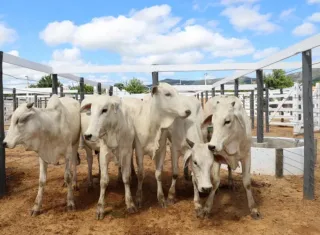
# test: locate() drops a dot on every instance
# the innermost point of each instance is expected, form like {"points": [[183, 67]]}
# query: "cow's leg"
{"points": [[68, 179], [42, 182], [98, 157], [119, 175], [133, 172], [175, 172], [246, 178], [206, 211], [90, 162], [159, 159], [126, 156], [230, 179], [139, 159], [104, 181], [196, 199], [75, 156]]}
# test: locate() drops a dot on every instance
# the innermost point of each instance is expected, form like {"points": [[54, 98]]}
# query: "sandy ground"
{"points": [[280, 201]]}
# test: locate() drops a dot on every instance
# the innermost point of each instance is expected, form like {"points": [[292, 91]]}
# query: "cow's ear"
{"points": [[207, 121], [190, 143], [239, 113], [115, 107], [85, 107], [24, 118], [187, 157], [154, 90]]}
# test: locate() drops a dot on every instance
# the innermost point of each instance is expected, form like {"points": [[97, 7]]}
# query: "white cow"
{"points": [[111, 123], [230, 143], [158, 112], [177, 133], [90, 146], [51, 132]]}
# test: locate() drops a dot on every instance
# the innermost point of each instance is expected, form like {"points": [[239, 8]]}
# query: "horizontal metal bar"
{"points": [[15, 60]]}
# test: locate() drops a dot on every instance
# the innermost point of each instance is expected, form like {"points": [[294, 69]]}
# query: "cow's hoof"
{"points": [[204, 213], [132, 210], [171, 201], [255, 214], [162, 202], [34, 213], [199, 212], [71, 206]]}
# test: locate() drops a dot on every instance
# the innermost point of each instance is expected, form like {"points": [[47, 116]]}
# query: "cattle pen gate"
{"points": [[273, 62]]}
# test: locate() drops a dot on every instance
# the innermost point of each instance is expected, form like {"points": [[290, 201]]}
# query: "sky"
{"points": [[83, 33]]}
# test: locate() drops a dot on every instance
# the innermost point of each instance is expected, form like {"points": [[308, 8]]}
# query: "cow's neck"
{"points": [[148, 127]]}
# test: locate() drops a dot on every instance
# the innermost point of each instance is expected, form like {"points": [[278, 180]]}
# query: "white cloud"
{"points": [[260, 54], [67, 54], [7, 35], [230, 2], [287, 13], [304, 29], [313, 1], [167, 58], [247, 17], [150, 34], [315, 17]]}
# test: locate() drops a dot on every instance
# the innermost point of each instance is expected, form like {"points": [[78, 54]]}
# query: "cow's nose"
{"points": [[206, 190], [88, 137], [188, 112], [211, 147], [4, 144]]}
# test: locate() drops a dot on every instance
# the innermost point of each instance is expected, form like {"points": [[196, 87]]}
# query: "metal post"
{"points": [[36, 100], [267, 109], [155, 78], [54, 83], [222, 89], [252, 108], [99, 88], [45, 102], [236, 87], [77, 96], [201, 99], [198, 96], [111, 90], [81, 89], [2, 149], [61, 91], [309, 151], [259, 106], [207, 96], [14, 99], [282, 113], [213, 92]]}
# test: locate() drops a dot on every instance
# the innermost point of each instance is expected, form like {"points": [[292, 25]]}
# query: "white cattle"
{"points": [[177, 133], [90, 146], [158, 112], [51, 132], [230, 143], [111, 123]]}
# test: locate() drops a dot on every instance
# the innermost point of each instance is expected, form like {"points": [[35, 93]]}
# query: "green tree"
{"points": [[135, 86], [87, 88], [120, 86], [278, 79], [45, 81]]}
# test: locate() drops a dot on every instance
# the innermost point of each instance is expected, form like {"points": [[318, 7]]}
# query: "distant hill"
{"points": [[244, 80]]}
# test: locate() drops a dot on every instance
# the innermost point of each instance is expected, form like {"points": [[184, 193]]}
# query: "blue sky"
{"points": [[78, 33]]}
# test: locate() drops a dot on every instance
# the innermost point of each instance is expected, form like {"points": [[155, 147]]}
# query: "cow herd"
{"points": [[115, 128]]}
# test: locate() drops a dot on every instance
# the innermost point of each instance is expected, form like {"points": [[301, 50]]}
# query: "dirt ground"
{"points": [[280, 201]]}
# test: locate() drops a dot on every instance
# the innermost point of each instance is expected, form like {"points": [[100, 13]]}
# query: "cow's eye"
{"points": [[194, 162], [167, 94], [17, 121], [104, 110], [227, 122]]}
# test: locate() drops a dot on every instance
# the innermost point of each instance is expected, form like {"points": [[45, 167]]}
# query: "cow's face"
{"points": [[169, 103], [24, 127], [201, 161], [228, 125], [104, 115]]}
